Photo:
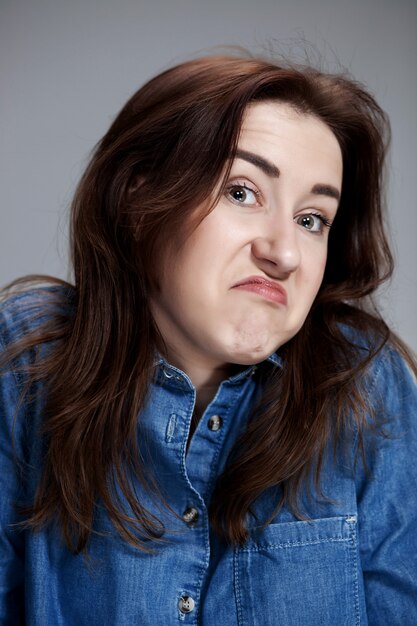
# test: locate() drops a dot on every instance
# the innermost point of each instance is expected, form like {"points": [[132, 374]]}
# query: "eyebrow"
{"points": [[266, 166], [326, 190], [271, 170]]}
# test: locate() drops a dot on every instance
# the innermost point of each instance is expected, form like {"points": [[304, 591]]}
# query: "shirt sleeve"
{"points": [[387, 497], [11, 494]]}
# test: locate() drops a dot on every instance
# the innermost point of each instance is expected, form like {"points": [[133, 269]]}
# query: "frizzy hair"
{"points": [[170, 146]]}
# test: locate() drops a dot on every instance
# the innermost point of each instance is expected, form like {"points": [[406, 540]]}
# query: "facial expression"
{"points": [[245, 279]]}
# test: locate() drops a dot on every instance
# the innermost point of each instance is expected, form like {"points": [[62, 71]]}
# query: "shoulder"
{"points": [[383, 399], [390, 375], [387, 369], [388, 432], [25, 315], [391, 388], [24, 312]]}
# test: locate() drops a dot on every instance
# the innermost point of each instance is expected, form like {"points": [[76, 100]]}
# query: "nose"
{"points": [[277, 252]]}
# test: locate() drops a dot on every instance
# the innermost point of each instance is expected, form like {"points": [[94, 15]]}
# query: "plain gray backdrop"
{"points": [[67, 67]]}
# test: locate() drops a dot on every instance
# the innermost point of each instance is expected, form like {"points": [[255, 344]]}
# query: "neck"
{"points": [[204, 395], [205, 378]]}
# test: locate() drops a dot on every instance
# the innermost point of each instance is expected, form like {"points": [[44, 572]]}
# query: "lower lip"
{"points": [[269, 293]]}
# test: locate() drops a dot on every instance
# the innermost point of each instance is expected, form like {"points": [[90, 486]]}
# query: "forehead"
{"points": [[282, 131], [275, 113]]}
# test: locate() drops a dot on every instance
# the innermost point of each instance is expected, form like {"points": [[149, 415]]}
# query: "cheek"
{"points": [[319, 270], [313, 276]]}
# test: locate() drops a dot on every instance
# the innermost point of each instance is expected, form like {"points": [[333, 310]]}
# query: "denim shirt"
{"points": [[353, 561]]}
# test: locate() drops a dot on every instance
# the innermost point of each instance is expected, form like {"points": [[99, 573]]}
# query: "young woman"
{"points": [[213, 425]]}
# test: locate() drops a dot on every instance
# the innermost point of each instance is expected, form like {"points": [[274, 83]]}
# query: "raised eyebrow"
{"points": [[266, 166], [272, 170], [326, 190]]}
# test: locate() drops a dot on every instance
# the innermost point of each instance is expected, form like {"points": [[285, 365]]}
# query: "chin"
{"points": [[250, 356]]}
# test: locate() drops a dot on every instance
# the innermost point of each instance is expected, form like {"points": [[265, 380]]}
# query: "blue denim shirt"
{"points": [[353, 562]]}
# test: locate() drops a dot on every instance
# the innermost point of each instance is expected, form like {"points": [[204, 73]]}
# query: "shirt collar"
{"points": [[172, 371]]}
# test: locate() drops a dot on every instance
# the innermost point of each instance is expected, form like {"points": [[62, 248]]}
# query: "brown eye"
{"points": [[240, 194]]}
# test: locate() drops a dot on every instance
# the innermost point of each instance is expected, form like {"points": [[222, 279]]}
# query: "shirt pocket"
{"points": [[299, 573]]}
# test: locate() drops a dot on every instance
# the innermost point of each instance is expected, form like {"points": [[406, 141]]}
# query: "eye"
{"points": [[314, 222], [242, 194]]}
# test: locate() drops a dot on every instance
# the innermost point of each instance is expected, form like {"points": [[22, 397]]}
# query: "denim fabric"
{"points": [[352, 562]]}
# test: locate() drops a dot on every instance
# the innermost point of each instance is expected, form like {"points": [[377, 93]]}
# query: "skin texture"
{"points": [[263, 226]]}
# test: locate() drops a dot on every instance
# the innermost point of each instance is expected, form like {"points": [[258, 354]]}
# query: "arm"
{"points": [[387, 497]]}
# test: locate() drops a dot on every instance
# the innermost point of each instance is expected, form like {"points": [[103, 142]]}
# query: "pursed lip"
{"points": [[263, 287]]}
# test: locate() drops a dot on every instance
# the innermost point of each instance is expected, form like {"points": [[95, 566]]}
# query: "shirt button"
{"points": [[215, 422], [190, 515], [186, 604]]}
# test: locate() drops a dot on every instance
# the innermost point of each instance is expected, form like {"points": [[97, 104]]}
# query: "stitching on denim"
{"points": [[290, 544], [203, 571], [237, 587], [353, 542]]}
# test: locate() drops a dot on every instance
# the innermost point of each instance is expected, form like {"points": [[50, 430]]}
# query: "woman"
{"points": [[213, 426]]}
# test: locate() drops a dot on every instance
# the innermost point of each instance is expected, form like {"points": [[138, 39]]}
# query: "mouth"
{"points": [[264, 288]]}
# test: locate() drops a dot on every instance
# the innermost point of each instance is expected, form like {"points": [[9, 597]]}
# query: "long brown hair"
{"points": [[163, 156]]}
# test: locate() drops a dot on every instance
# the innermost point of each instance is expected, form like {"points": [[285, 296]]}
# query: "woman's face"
{"points": [[243, 282]]}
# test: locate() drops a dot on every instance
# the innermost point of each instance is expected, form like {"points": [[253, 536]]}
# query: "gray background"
{"points": [[67, 66]]}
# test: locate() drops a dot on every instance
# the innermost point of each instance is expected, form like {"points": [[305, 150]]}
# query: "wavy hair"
{"points": [[170, 146]]}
